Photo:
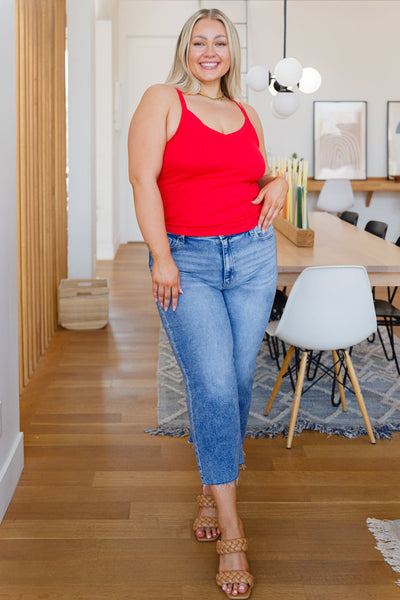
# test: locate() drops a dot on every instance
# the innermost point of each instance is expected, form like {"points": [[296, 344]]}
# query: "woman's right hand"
{"points": [[166, 282]]}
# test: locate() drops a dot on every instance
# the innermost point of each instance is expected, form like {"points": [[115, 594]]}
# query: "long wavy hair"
{"points": [[180, 75]]}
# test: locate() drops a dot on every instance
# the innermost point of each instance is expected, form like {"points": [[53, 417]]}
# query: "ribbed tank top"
{"points": [[208, 179]]}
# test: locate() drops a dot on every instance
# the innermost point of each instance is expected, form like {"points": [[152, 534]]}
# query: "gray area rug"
{"points": [[380, 385], [387, 535]]}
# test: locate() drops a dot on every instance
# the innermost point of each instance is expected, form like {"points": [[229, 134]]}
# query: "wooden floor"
{"points": [[103, 510]]}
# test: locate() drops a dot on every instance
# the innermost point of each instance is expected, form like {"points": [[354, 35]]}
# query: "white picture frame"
{"points": [[340, 139], [393, 140]]}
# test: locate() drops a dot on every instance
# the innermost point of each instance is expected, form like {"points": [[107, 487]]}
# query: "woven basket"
{"points": [[83, 303]]}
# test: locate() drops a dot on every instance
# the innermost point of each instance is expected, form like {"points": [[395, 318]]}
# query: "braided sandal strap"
{"points": [[231, 546], [231, 577], [206, 500], [205, 522]]}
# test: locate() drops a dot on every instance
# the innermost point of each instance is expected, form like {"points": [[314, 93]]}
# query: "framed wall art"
{"points": [[340, 139], [393, 140]]}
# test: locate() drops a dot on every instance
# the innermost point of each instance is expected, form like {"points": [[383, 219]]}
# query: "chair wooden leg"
{"points": [[339, 379], [296, 399], [359, 396], [278, 382]]}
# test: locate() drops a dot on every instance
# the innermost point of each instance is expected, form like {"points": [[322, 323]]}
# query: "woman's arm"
{"points": [[146, 144], [273, 190]]}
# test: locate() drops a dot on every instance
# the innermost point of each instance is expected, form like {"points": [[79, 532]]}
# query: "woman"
{"points": [[205, 201]]}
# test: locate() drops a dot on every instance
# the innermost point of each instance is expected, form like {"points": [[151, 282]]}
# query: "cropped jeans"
{"points": [[229, 284]]}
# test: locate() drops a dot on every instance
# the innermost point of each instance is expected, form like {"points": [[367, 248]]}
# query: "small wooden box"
{"points": [[83, 303], [299, 237]]}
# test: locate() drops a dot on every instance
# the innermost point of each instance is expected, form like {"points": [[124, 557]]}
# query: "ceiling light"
{"points": [[287, 76]]}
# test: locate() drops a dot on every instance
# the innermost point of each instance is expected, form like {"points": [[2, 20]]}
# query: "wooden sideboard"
{"points": [[370, 185]]}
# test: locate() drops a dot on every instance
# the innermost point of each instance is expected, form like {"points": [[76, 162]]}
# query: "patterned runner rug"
{"points": [[380, 385], [387, 535]]}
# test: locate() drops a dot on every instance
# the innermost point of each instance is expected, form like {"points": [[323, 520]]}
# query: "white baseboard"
{"points": [[10, 474], [117, 243]]}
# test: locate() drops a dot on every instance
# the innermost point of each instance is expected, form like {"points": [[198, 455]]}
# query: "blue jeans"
{"points": [[228, 284]]}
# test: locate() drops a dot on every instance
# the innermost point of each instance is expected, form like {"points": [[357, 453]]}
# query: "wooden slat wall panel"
{"points": [[41, 164]]}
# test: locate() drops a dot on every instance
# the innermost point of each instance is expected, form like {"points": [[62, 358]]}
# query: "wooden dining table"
{"points": [[337, 242]]}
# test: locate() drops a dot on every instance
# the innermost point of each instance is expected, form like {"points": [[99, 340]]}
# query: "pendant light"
{"points": [[287, 78]]}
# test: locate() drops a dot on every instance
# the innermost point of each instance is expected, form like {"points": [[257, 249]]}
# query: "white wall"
{"points": [[116, 133], [354, 45], [107, 130], [104, 134], [11, 440], [81, 139]]}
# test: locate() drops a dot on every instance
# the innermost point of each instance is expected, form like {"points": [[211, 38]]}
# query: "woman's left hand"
{"points": [[272, 195]]}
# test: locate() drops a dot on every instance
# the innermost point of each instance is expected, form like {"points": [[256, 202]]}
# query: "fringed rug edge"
{"points": [[271, 431], [168, 430]]}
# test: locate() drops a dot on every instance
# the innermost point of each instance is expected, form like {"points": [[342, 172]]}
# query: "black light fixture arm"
{"points": [[278, 87], [284, 28]]}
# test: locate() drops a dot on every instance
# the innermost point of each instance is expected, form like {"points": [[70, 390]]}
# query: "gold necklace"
{"points": [[210, 97]]}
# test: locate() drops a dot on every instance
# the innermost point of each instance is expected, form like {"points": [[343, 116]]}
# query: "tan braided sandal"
{"points": [[231, 577], [207, 501]]}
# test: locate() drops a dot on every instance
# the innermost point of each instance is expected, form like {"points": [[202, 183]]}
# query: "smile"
{"points": [[209, 65]]}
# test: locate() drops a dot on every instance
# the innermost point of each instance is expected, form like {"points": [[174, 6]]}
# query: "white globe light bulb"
{"points": [[258, 78], [288, 71], [274, 113], [310, 80], [285, 103]]}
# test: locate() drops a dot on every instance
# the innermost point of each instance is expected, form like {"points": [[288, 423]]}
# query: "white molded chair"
{"points": [[330, 308], [335, 196]]}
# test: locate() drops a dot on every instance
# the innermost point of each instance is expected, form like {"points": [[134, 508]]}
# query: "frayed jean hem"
{"points": [[223, 486]]}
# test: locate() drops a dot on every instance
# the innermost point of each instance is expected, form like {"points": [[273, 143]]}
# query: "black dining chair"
{"points": [[378, 228], [349, 216], [276, 313], [388, 317]]}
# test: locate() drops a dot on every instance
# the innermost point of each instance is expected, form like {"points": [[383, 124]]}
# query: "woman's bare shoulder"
{"points": [[158, 110], [160, 92]]}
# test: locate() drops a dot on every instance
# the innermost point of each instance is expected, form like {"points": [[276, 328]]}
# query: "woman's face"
{"points": [[209, 57]]}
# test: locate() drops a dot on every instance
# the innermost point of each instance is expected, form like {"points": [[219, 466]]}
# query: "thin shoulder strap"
{"points": [[182, 99], [241, 108]]}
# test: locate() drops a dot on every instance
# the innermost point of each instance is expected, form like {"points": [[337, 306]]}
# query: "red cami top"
{"points": [[208, 179]]}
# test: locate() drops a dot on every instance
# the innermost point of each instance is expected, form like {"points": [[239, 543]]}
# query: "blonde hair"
{"points": [[180, 75]]}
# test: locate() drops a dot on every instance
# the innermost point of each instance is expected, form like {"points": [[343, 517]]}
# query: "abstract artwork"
{"points": [[340, 140], [393, 140]]}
